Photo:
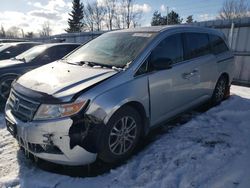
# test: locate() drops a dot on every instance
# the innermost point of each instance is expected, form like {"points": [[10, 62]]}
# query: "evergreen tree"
{"points": [[157, 19], [29, 35], [190, 19], [76, 17], [173, 18], [2, 32], [170, 19]]}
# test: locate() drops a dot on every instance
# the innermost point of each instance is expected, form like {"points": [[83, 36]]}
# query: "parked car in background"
{"points": [[101, 100], [28, 60], [12, 40], [9, 50]]}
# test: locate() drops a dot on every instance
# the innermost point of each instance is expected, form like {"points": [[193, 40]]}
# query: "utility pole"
{"points": [[167, 14], [22, 33]]}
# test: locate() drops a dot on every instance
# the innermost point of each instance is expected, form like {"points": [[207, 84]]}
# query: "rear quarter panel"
{"points": [[226, 64]]}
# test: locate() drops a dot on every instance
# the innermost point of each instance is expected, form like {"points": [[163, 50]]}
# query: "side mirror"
{"points": [[162, 63]]}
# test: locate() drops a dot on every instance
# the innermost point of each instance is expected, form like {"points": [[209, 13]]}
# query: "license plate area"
{"points": [[11, 127]]}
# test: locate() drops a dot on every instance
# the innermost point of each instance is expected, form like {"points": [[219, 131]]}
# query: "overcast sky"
{"points": [[31, 14]]}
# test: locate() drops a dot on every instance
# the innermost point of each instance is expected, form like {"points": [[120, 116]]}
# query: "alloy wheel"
{"points": [[122, 135]]}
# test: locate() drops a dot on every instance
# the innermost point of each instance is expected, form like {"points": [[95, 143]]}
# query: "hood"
{"points": [[62, 79], [9, 63]]}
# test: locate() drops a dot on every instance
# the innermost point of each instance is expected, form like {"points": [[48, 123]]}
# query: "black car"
{"points": [[9, 50], [31, 59]]}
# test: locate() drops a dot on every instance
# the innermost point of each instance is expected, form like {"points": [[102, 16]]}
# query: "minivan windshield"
{"points": [[112, 49], [32, 53]]}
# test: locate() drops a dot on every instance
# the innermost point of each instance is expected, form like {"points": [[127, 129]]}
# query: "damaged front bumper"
{"points": [[49, 140]]}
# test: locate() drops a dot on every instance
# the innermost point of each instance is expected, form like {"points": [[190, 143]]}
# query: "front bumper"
{"points": [[49, 140]]}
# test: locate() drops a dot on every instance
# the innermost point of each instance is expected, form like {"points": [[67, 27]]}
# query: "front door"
{"points": [[171, 89]]}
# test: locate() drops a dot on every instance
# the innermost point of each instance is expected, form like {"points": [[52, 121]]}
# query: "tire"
{"points": [[220, 91], [5, 86], [121, 136]]}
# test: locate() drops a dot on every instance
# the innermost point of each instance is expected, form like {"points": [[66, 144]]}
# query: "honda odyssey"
{"points": [[102, 99]]}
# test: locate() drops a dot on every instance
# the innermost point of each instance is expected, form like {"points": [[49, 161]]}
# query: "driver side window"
{"points": [[169, 48]]}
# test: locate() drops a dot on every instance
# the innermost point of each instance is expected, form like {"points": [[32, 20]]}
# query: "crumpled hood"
{"points": [[62, 79], [9, 62]]}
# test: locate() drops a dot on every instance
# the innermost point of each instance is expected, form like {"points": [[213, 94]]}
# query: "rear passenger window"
{"points": [[170, 48], [217, 44], [196, 45]]}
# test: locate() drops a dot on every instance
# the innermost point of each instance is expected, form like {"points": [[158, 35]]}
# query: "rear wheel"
{"points": [[5, 86], [121, 136], [220, 91]]}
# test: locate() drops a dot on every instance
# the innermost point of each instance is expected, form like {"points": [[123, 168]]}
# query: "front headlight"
{"points": [[52, 111]]}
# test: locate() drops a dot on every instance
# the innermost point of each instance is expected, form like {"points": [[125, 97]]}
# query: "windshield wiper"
{"points": [[117, 68], [92, 64], [95, 65], [21, 59]]}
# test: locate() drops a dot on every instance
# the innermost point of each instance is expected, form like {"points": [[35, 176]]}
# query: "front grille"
{"points": [[21, 107]]}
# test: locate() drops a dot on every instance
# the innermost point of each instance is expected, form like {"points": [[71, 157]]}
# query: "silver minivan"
{"points": [[103, 98]]}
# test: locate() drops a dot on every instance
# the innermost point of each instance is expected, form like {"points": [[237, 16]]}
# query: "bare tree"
{"points": [[128, 4], [88, 17], [111, 8], [46, 29], [112, 13], [135, 18], [130, 15], [13, 32], [98, 15], [93, 16], [118, 20], [234, 9]]}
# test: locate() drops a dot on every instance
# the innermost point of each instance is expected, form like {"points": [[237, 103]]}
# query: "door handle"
{"points": [[190, 74], [195, 71], [186, 75]]}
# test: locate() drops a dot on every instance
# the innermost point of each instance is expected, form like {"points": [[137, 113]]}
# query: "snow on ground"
{"points": [[210, 150]]}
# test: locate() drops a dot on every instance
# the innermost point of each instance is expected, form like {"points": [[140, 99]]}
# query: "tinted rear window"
{"points": [[196, 45], [58, 52], [217, 44]]}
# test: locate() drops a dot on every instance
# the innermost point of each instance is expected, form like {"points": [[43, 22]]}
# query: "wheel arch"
{"points": [[3, 78], [142, 112], [138, 106], [9, 74]]}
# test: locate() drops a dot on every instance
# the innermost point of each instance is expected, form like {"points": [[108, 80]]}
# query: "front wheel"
{"points": [[220, 91], [121, 136]]}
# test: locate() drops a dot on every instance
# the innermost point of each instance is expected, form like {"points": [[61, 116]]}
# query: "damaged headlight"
{"points": [[52, 111]]}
